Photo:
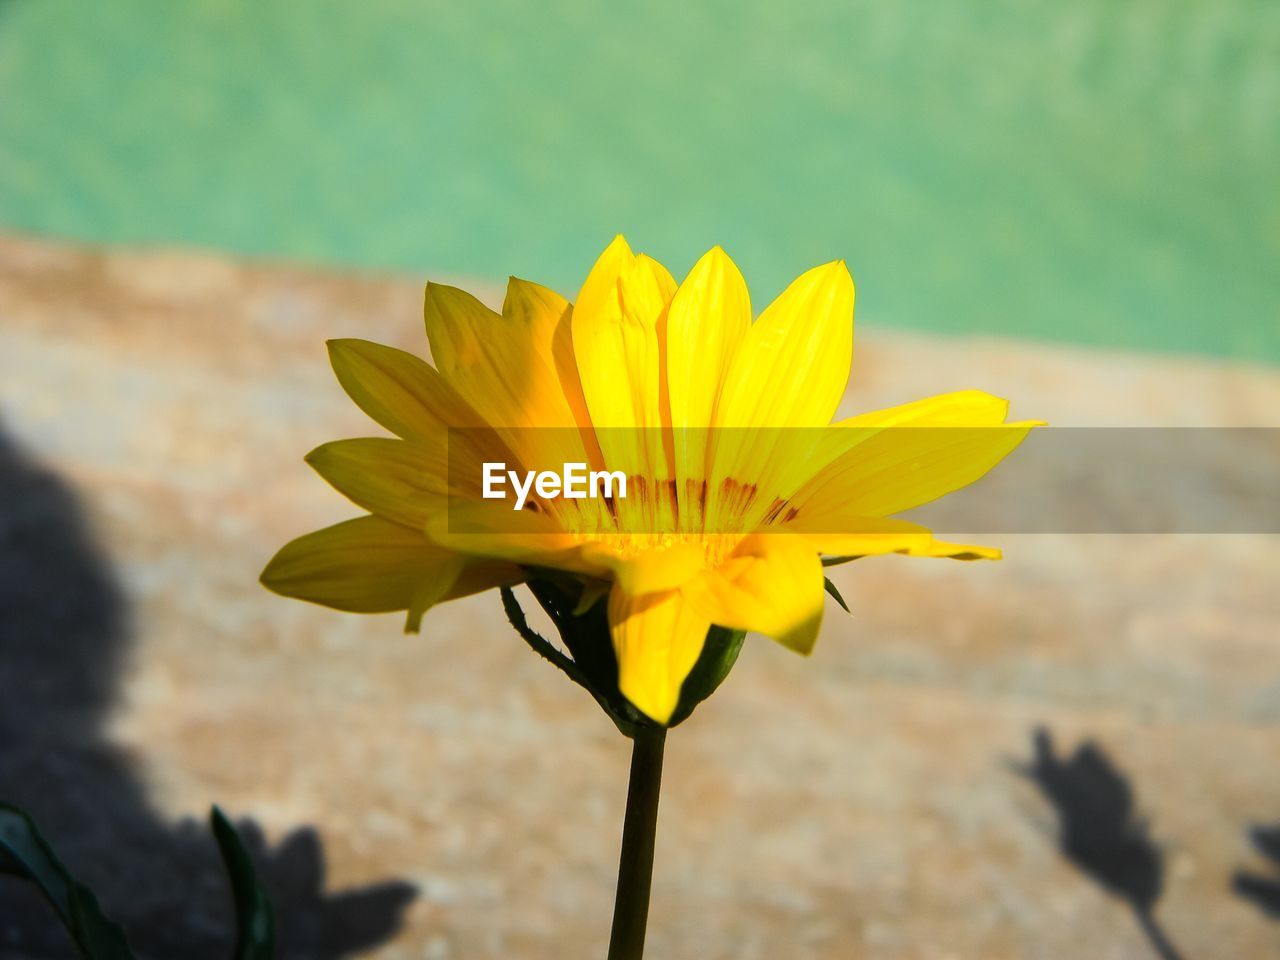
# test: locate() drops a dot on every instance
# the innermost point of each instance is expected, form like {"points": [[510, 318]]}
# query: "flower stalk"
{"points": [[639, 829]]}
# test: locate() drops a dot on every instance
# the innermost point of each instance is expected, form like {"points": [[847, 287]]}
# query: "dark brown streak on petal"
{"points": [[776, 508]]}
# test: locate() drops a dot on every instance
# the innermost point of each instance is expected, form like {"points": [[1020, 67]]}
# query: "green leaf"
{"points": [[831, 589], [255, 921], [25, 853], [719, 654]]}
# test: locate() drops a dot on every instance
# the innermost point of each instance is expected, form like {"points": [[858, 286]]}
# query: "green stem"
{"points": [[635, 867]]}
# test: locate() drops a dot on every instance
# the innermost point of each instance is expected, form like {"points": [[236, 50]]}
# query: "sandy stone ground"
{"points": [[449, 795]]}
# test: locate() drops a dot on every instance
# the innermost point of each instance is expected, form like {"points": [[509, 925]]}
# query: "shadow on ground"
{"points": [[1262, 892], [1099, 830], [64, 636]]}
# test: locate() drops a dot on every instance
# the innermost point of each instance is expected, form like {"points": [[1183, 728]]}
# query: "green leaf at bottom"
{"points": [[255, 921], [25, 853]]}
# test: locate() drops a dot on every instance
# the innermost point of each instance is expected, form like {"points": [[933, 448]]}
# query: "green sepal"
{"points": [[719, 654], [836, 561], [537, 642], [25, 853], [255, 920], [591, 668], [592, 663], [835, 594]]}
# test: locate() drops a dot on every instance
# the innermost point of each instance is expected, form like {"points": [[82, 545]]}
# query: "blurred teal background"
{"points": [[1103, 171]]}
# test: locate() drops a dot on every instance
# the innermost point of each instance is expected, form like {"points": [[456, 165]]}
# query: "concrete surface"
{"points": [[858, 804]]}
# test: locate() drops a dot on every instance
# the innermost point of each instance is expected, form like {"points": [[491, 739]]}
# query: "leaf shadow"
{"points": [[1262, 891], [1099, 831], [64, 638]]}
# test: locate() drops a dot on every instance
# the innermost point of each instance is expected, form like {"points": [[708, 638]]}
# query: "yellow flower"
{"points": [[740, 482]]}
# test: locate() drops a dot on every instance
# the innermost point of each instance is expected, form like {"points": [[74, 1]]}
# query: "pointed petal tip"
{"points": [[351, 345], [834, 274], [436, 292], [716, 264], [430, 302], [268, 576], [655, 705], [316, 456], [618, 245], [802, 636], [719, 256]]}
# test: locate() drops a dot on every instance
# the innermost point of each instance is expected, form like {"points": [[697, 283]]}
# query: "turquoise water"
{"points": [[1102, 172]]}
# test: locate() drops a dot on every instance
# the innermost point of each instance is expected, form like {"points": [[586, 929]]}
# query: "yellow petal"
{"points": [[535, 307], [709, 316], [470, 576], [548, 318], [398, 390], [647, 287], [463, 333], [962, 408], [615, 341], [849, 537], [542, 310], [895, 469], [504, 366], [598, 299], [789, 372], [657, 639], [962, 551], [649, 571], [404, 481], [371, 565], [772, 583], [792, 367], [492, 529]]}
